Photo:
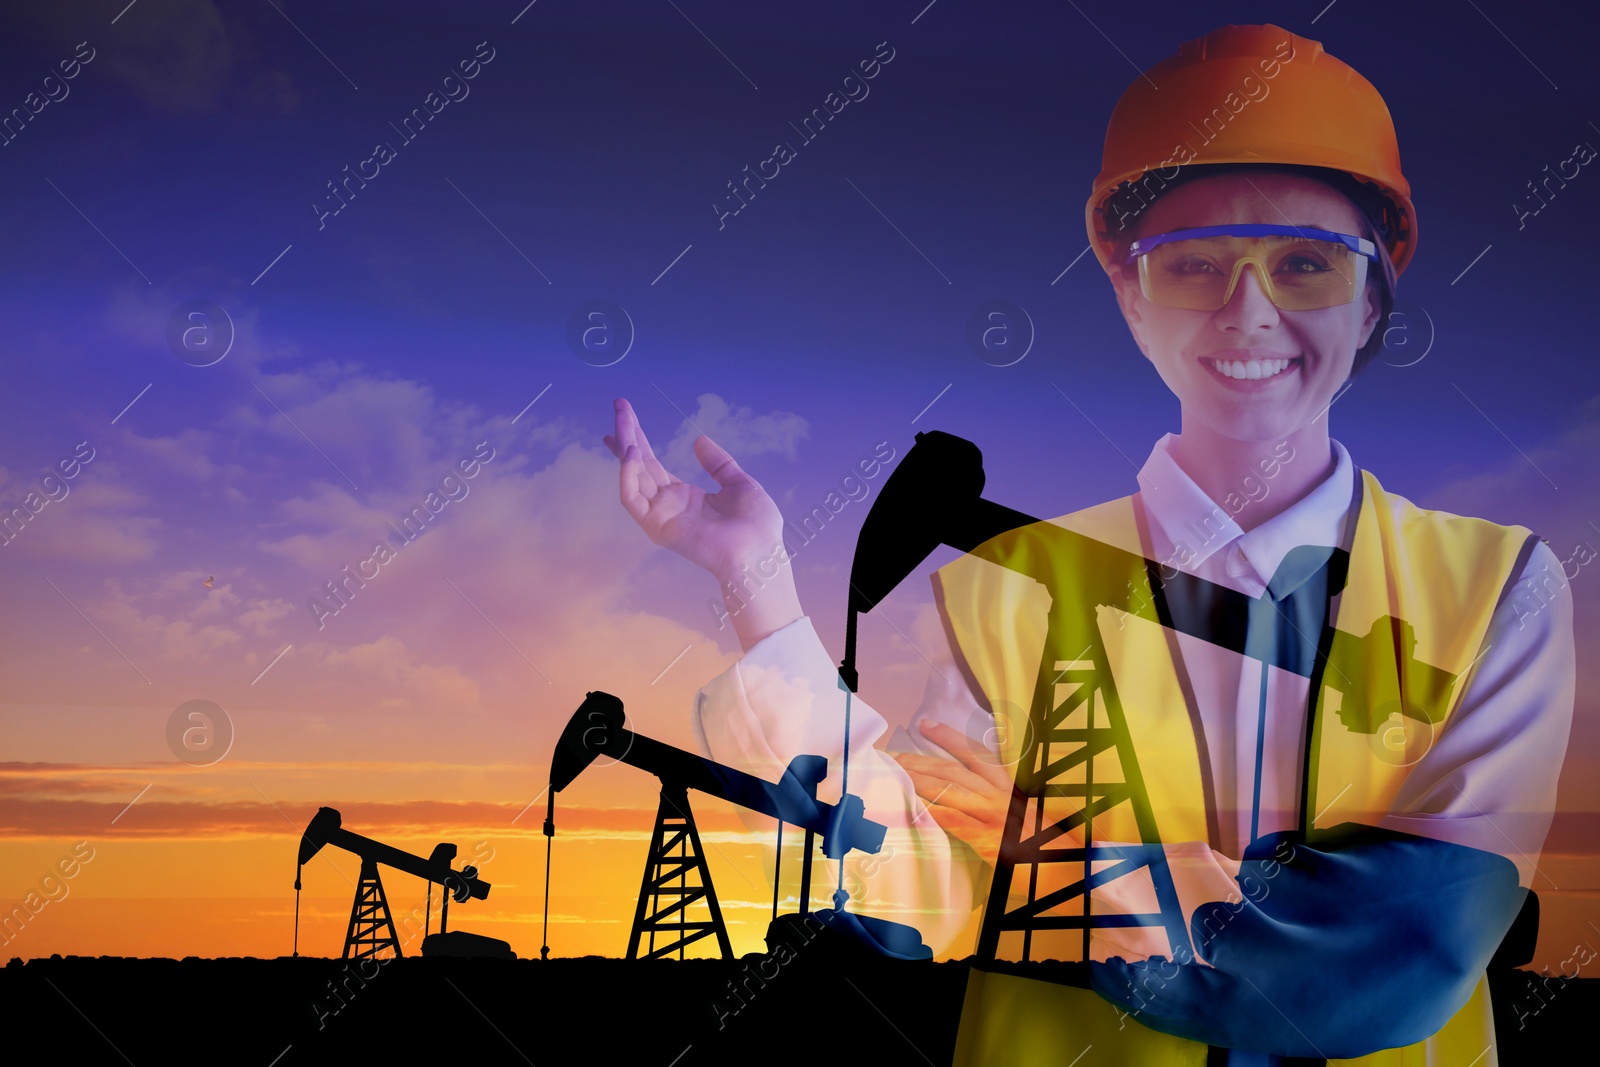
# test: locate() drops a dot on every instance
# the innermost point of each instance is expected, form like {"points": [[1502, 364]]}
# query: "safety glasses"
{"points": [[1300, 269]]}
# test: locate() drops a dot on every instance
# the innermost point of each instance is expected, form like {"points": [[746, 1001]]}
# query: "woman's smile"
{"points": [[1249, 370]]}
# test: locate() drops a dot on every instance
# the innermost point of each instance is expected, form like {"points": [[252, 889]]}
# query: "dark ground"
{"points": [[663, 1013]]}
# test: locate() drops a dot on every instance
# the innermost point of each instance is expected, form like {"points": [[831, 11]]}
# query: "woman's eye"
{"points": [[1304, 263], [1192, 264]]}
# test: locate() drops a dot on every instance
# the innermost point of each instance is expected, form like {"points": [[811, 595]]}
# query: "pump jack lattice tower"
{"points": [[933, 498], [675, 856], [371, 927], [1043, 776]]}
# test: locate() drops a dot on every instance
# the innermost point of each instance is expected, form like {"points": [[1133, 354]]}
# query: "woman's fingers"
{"points": [[940, 792], [945, 771], [979, 762], [944, 784], [631, 431], [628, 431], [622, 412], [718, 462], [972, 819], [637, 487]]}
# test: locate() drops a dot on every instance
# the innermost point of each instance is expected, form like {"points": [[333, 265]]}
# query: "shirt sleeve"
{"points": [[1489, 779], [783, 699], [1409, 911]]}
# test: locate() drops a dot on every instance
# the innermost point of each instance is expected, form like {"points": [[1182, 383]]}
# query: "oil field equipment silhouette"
{"points": [[598, 728], [371, 928], [934, 498], [1076, 761]]}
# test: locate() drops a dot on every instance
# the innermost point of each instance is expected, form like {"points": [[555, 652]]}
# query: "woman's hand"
{"points": [[718, 531], [969, 796], [726, 532]]}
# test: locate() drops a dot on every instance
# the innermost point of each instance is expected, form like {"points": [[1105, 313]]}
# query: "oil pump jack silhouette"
{"points": [[371, 931], [933, 498], [598, 728]]}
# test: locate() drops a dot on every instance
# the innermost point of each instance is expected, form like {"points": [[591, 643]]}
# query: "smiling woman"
{"points": [[1231, 721], [1215, 360]]}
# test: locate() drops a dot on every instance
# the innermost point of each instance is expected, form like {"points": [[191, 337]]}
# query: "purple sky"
{"points": [[374, 348]]}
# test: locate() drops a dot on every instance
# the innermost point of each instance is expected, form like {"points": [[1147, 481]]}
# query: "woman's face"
{"points": [[1186, 346]]}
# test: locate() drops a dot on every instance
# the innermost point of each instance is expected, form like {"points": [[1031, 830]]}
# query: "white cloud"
{"points": [[392, 674], [87, 525], [546, 560], [151, 633], [185, 453], [1550, 487], [739, 430], [263, 616]]}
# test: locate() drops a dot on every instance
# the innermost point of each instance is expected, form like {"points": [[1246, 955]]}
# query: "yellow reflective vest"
{"points": [[1404, 634]]}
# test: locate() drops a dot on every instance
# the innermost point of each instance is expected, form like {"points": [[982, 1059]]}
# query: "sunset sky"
{"points": [[436, 318]]}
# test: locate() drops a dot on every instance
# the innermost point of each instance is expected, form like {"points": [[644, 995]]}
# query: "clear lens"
{"points": [[1298, 274]]}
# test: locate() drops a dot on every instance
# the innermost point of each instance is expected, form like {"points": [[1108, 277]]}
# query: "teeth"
{"points": [[1252, 368]]}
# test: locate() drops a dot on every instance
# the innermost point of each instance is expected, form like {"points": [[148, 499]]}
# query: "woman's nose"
{"points": [[1248, 306]]}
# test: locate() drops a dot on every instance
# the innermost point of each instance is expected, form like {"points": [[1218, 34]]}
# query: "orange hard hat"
{"points": [[1249, 94]]}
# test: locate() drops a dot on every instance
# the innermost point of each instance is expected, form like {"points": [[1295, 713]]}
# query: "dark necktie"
{"points": [[1285, 625]]}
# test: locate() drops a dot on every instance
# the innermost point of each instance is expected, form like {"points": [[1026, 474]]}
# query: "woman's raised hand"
{"points": [[727, 532], [722, 531]]}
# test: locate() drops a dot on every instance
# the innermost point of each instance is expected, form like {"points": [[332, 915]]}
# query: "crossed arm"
{"points": [[1407, 913]]}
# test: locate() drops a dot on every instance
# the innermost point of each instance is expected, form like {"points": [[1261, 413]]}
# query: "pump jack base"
{"points": [[462, 945], [847, 934]]}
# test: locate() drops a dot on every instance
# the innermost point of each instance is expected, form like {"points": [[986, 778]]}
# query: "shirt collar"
{"points": [[1189, 527]]}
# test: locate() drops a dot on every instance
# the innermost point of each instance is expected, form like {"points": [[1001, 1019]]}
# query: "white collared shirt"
{"points": [[1487, 782], [1196, 535], [1181, 514]]}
